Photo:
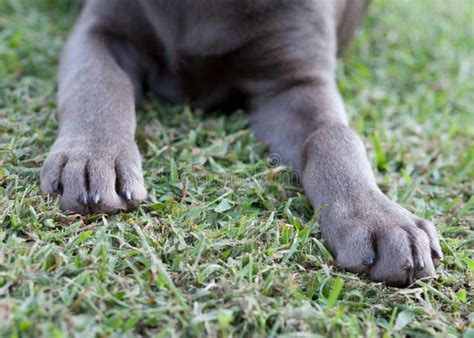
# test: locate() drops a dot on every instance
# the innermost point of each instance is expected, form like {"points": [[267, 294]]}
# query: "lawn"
{"points": [[226, 245]]}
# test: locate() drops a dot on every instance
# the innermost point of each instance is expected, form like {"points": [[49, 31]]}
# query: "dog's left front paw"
{"points": [[383, 240]]}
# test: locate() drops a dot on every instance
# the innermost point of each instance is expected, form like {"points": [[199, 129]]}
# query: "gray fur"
{"points": [[282, 55]]}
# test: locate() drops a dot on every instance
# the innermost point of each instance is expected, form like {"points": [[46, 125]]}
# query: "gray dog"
{"points": [[281, 54]]}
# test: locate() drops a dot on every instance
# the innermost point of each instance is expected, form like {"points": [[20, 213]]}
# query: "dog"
{"points": [[282, 56]]}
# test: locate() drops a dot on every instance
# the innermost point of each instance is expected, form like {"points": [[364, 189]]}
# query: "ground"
{"points": [[226, 244]]}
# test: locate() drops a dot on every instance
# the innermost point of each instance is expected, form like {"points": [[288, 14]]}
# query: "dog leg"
{"points": [[366, 232], [94, 163]]}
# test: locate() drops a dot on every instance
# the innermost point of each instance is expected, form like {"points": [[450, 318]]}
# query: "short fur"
{"points": [[281, 55]]}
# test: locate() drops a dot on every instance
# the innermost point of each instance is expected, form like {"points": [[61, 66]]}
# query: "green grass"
{"points": [[226, 245]]}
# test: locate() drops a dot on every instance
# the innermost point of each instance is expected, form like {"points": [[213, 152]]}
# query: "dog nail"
{"points": [[127, 195], [56, 185], [420, 265], [96, 198], [368, 261], [408, 265], [83, 199], [436, 253]]}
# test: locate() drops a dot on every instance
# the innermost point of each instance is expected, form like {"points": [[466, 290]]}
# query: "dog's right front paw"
{"points": [[94, 177]]}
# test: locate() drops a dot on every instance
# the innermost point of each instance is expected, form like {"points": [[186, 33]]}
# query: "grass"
{"points": [[226, 245]]}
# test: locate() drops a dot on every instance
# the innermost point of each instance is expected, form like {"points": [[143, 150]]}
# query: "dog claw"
{"points": [[420, 265], [56, 185], [368, 261], [127, 195], [436, 253], [96, 198], [408, 265], [83, 199]]}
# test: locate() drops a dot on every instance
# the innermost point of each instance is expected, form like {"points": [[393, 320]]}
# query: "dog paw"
{"points": [[94, 176], [382, 240]]}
